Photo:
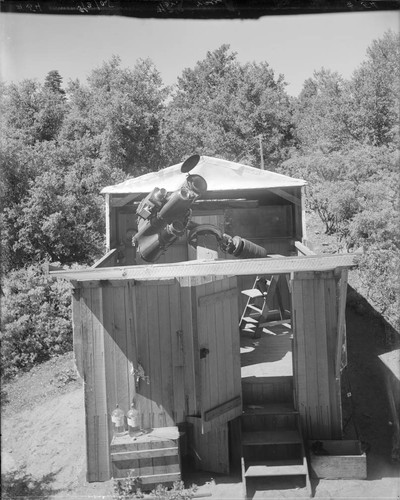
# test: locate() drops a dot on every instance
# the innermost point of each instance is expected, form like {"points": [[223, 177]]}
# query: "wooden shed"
{"points": [[167, 334]]}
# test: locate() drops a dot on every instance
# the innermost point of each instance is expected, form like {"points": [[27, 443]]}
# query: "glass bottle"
{"points": [[118, 420], [133, 420]]}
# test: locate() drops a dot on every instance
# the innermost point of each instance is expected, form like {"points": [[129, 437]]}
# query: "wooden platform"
{"points": [[269, 355]]}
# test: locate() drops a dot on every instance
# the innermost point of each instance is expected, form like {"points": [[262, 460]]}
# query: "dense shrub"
{"points": [[379, 275], [35, 319]]}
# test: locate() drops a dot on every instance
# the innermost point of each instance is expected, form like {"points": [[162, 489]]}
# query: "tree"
{"points": [[32, 112], [61, 217], [323, 114], [375, 90], [333, 114], [221, 107], [121, 110], [53, 82], [35, 318]]}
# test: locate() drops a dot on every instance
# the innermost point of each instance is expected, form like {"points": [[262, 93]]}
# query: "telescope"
{"points": [[164, 217]]}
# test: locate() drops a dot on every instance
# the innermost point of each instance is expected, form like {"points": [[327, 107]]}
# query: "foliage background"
{"points": [[60, 145]]}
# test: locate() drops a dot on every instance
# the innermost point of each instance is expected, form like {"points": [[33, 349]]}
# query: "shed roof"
{"points": [[221, 175]]}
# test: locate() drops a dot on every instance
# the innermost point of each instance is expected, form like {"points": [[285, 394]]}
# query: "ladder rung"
{"points": [[283, 322], [255, 308], [251, 326], [249, 319], [248, 329], [253, 292]]}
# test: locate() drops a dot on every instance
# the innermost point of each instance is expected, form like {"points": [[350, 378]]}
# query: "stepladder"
{"points": [[259, 309]]}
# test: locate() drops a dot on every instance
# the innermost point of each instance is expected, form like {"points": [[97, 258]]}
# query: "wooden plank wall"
{"points": [[259, 390], [160, 353], [116, 326], [89, 339], [210, 451], [317, 391], [273, 221], [190, 368]]}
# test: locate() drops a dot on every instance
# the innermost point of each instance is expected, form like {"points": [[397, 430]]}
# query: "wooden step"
{"points": [[259, 438], [270, 409], [275, 468]]}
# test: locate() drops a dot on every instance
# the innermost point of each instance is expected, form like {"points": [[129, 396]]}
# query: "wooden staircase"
{"points": [[272, 444], [256, 311]]}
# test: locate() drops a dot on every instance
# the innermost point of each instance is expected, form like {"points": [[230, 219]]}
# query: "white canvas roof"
{"points": [[220, 175]]}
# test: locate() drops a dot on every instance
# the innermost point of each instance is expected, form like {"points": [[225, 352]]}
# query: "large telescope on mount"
{"points": [[164, 217]]}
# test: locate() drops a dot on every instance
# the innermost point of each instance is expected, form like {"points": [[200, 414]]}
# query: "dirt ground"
{"points": [[43, 438], [43, 441]]}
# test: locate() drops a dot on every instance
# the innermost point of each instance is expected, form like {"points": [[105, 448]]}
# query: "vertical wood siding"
{"points": [[117, 326], [161, 401], [218, 332], [317, 392], [210, 451], [90, 352]]}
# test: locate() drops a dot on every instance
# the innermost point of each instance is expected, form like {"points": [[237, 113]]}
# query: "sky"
{"points": [[295, 46]]}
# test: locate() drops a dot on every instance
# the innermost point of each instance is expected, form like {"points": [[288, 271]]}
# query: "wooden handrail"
{"points": [[303, 249], [108, 260]]}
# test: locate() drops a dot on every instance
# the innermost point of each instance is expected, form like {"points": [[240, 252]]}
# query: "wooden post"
{"points": [[341, 323], [261, 152], [303, 216], [108, 223]]}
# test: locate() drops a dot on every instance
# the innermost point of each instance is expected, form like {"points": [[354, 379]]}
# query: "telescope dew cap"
{"points": [[190, 163]]}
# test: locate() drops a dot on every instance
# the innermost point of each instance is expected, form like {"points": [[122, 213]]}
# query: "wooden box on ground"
{"points": [[344, 460], [153, 457]]}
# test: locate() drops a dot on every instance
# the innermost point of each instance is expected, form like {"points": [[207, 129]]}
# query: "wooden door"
{"points": [[218, 378], [219, 353]]}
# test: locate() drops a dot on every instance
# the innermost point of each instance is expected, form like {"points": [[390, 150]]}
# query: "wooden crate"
{"points": [[345, 460], [153, 457]]}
